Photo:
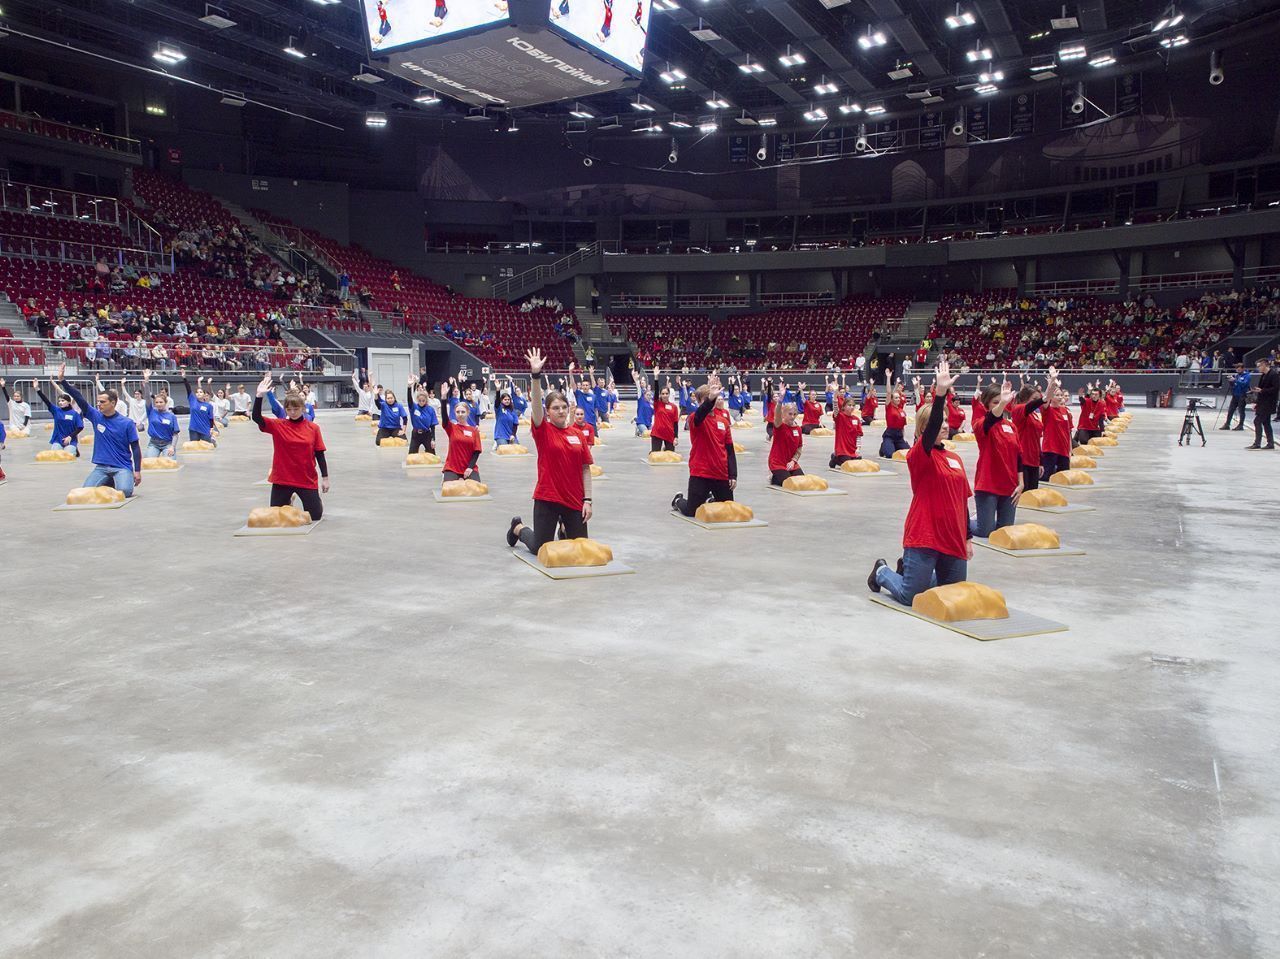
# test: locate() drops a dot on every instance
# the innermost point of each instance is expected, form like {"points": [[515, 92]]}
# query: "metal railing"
{"points": [[43, 201], [545, 272], [1148, 283], [719, 300], [292, 236], [120, 356], [70, 251], [53, 130]]}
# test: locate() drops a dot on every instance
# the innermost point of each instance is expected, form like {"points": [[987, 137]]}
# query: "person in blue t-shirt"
{"points": [[584, 397], [117, 454], [1239, 396], [200, 422], [162, 423], [67, 423], [600, 396], [392, 416], [644, 405], [423, 418], [506, 421]]}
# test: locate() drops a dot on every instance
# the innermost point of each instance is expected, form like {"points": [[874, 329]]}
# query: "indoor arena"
{"points": [[528, 324]]}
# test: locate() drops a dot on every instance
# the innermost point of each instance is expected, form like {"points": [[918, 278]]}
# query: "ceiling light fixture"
{"points": [[717, 102], [874, 109], [872, 38], [849, 107], [961, 18], [1072, 51], [749, 67], [581, 112], [168, 53], [292, 49], [768, 121], [986, 89], [978, 53], [673, 75], [678, 123], [1171, 19], [1102, 60], [638, 104], [1177, 40], [427, 98], [790, 59], [216, 18], [991, 76], [375, 118], [815, 114], [824, 88]]}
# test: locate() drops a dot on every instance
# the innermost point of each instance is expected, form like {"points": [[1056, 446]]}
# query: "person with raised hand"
{"points": [[117, 454], [997, 479], [1029, 421], [67, 422], [895, 419], [298, 452], [713, 465], [162, 422], [787, 441], [935, 537], [562, 492], [423, 418], [465, 442]]}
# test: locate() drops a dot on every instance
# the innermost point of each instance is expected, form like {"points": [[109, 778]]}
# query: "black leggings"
{"points": [[779, 475], [547, 519], [449, 476], [311, 502], [837, 460], [1083, 436], [700, 491], [1031, 476], [383, 434], [423, 439], [656, 445], [1053, 463], [806, 430]]}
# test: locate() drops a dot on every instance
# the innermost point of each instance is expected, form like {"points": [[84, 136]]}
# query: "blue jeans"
{"points": [[994, 512], [921, 569], [891, 442], [154, 449], [121, 479]]}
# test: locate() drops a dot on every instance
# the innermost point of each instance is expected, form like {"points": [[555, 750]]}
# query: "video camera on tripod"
{"points": [[1191, 421]]}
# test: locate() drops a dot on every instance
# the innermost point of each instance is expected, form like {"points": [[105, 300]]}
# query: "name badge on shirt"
{"points": [[719, 425], [574, 440], [1006, 427], [67, 417], [795, 433], [956, 464], [101, 428]]}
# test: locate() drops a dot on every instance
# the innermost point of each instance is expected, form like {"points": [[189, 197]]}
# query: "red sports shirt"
{"points": [[296, 443], [997, 470], [848, 431], [938, 518], [895, 417], [463, 441], [665, 418], [708, 458], [955, 415], [812, 414], [787, 441], [1030, 427], [976, 411], [1111, 402], [588, 432], [869, 407], [1057, 430], [561, 455], [1091, 413]]}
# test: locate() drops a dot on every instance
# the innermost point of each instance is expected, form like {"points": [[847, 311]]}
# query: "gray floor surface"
{"points": [[391, 739]]}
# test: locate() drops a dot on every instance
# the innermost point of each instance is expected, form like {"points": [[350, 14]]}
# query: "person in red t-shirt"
{"points": [[935, 538], [812, 418], [562, 494], [788, 440], [1113, 400], [298, 451], [713, 465], [1028, 420], [666, 420], [997, 483], [895, 421], [1055, 452], [955, 416], [580, 424], [1092, 412], [869, 406], [848, 432], [977, 409], [465, 442]]}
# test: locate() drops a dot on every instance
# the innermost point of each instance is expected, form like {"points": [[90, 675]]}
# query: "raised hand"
{"points": [[943, 380], [536, 361], [264, 387]]}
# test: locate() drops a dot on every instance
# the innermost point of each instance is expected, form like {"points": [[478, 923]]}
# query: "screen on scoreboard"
{"points": [[617, 29], [395, 24]]}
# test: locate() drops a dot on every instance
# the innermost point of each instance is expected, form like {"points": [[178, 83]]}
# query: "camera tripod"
{"points": [[1191, 426]]}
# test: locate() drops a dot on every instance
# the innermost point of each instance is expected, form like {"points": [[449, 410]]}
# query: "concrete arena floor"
{"points": [[389, 738]]}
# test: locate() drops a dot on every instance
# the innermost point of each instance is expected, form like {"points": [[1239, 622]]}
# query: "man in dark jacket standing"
{"points": [[1268, 389], [1239, 396]]}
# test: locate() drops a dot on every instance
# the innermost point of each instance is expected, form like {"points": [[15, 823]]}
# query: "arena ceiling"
{"points": [[305, 55]]}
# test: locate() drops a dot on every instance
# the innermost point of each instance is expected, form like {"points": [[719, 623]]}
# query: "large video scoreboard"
{"points": [[511, 53]]}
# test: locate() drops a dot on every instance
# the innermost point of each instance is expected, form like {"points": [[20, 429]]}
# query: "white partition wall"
{"points": [[390, 367]]}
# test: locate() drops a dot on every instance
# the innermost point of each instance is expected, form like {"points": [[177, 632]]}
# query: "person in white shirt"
{"points": [[19, 411], [860, 368], [364, 392], [241, 402], [89, 332], [221, 406], [132, 405], [61, 331]]}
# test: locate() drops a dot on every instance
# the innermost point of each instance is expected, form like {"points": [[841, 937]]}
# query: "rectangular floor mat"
{"points": [[829, 491], [1028, 553], [750, 524], [571, 572], [1069, 508], [435, 494], [79, 507], [279, 531], [1018, 623], [883, 472]]}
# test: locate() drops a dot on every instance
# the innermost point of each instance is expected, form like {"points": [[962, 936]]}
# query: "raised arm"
{"points": [[86, 410], [933, 428], [536, 412]]}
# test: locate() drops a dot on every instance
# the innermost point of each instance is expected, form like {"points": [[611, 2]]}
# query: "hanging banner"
{"points": [[979, 127], [786, 147], [739, 149], [1128, 92], [931, 129], [829, 143], [887, 136], [1069, 119], [1022, 115]]}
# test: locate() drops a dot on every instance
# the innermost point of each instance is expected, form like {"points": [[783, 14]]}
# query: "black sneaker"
{"points": [[675, 502], [1224, 427], [1253, 446], [898, 567], [871, 580], [1239, 428], [512, 538]]}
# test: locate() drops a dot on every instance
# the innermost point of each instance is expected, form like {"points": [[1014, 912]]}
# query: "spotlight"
{"points": [[957, 128], [862, 144], [169, 54], [1077, 99], [1216, 74], [674, 155], [763, 153], [587, 161]]}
